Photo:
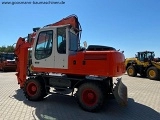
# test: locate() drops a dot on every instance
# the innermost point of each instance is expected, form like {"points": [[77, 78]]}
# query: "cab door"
{"points": [[43, 50], [61, 49]]}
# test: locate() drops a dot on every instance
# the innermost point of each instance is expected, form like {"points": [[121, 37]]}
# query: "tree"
{"points": [[2, 49], [7, 49]]}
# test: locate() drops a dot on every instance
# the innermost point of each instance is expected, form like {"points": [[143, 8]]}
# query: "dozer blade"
{"points": [[120, 92]]}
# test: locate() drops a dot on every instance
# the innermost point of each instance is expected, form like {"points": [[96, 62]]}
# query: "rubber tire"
{"points": [[99, 94], [156, 72], [40, 92], [134, 71]]}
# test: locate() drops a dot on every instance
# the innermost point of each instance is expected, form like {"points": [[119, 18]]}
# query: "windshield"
{"points": [[145, 55], [73, 46], [44, 45]]}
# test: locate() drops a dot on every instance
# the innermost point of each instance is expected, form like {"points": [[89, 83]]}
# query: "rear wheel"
{"points": [[131, 71], [34, 90], [152, 73], [90, 97]]}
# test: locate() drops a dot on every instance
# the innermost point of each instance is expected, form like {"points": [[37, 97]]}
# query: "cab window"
{"points": [[73, 42], [44, 45], [61, 40]]}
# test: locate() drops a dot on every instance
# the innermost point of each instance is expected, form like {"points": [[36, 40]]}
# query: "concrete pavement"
{"points": [[143, 103]]}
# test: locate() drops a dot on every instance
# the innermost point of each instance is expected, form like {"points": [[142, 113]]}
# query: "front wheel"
{"points": [[152, 73], [131, 71], [90, 97], [34, 90]]}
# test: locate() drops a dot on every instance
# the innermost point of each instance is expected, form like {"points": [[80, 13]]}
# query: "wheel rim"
{"points": [[130, 71], [152, 73], [89, 97], [31, 89]]}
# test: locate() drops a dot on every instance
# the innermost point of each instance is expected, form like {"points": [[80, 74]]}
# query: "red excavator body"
{"points": [[75, 63]]}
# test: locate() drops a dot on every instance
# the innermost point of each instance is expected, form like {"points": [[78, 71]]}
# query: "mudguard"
{"points": [[120, 92]]}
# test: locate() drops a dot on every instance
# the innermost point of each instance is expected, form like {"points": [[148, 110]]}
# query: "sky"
{"points": [[128, 25]]}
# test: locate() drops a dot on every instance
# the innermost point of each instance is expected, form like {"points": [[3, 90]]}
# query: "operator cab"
{"points": [[53, 45], [145, 56]]}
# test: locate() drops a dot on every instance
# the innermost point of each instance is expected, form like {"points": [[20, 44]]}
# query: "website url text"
{"points": [[33, 2]]}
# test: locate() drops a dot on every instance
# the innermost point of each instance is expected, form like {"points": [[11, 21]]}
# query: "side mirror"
{"points": [[85, 44]]}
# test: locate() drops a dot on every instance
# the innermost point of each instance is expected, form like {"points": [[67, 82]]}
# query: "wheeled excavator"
{"points": [[61, 64]]}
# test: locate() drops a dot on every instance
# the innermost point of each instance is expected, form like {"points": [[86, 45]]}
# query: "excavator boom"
{"points": [[72, 20]]}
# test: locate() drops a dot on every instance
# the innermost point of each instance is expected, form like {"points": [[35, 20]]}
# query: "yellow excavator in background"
{"points": [[144, 64]]}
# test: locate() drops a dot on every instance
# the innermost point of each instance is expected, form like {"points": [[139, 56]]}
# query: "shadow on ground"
{"points": [[60, 107]]}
